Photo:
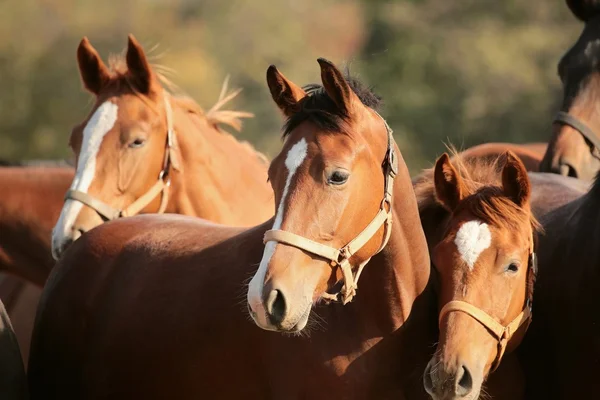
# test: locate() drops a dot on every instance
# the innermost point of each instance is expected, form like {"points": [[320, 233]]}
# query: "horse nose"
{"points": [[276, 306], [463, 382]]}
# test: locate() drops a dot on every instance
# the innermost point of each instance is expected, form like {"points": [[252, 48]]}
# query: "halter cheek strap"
{"points": [[162, 185], [341, 257], [585, 131], [502, 333]]}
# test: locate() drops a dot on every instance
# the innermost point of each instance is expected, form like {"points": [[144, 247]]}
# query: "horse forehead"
{"points": [[472, 238]]}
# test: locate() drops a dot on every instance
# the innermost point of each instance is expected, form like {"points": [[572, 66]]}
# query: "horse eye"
{"points": [[137, 143], [338, 178], [512, 267]]}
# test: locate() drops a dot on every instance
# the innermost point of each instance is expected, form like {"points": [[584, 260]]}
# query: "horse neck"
{"points": [[396, 277], [221, 179]]}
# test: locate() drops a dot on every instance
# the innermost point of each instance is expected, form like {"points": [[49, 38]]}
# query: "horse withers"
{"points": [[165, 298], [144, 150]]}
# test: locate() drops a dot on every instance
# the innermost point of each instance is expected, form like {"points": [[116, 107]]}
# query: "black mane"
{"points": [[318, 107]]}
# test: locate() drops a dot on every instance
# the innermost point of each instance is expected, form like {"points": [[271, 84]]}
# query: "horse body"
{"points": [[561, 354], [531, 154], [153, 306], [30, 203]]}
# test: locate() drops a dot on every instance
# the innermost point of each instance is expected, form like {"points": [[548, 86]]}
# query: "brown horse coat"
{"points": [[530, 153], [154, 307], [561, 352], [13, 384]]}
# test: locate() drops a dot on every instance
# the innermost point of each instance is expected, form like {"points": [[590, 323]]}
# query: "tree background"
{"points": [[461, 71]]}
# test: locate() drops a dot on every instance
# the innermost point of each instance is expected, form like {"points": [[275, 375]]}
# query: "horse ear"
{"points": [[515, 181], [139, 68], [337, 87], [584, 9], [448, 183], [94, 72], [285, 93]]}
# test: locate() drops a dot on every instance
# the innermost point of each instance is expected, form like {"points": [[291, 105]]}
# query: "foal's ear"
{"points": [[139, 70], [337, 87], [448, 183], [94, 72], [285, 93], [515, 181]]}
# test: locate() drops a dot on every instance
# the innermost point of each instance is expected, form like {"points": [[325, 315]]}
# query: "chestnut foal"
{"points": [[160, 295], [486, 263], [143, 150]]}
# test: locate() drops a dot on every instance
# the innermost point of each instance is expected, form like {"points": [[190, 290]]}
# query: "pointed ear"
{"points": [[448, 183], [140, 72], [515, 181], [94, 72], [285, 93], [337, 87]]}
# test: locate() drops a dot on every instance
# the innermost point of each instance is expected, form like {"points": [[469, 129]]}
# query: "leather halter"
{"points": [[162, 185], [341, 257], [585, 131], [502, 333]]}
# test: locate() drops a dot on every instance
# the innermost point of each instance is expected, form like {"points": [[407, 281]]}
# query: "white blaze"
{"points": [[101, 122], [293, 160], [471, 240]]}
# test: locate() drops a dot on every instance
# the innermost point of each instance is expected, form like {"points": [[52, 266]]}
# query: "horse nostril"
{"points": [[464, 382], [565, 169], [276, 307]]}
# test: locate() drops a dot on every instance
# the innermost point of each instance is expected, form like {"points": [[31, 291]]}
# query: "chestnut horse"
{"points": [[574, 148], [482, 185], [486, 269], [131, 312], [30, 201], [531, 154], [144, 150]]}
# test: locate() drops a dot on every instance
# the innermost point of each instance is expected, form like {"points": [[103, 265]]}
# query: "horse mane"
{"points": [[318, 107], [484, 195]]}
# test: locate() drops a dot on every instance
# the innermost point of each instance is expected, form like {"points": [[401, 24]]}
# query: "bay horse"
{"points": [[574, 148], [144, 150], [561, 352], [156, 306], [531, 154], [486, 268]]}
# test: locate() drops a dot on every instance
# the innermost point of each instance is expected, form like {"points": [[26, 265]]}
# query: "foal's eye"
{"points": [[338, 178], [512, 268], [138, 142]]}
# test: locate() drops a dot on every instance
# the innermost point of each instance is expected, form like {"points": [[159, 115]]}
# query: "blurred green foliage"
{"points": [[465, 71]]}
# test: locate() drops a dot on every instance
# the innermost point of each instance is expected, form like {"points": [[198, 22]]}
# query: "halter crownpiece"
{"points": [[341, 257], [162, 185], [502, 333]]}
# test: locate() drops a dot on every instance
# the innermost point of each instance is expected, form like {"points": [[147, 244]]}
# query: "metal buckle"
{"points": [[391, 160]]}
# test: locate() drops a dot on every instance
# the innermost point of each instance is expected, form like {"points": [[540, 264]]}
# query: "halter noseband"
{"points": [[565, 118], [341, 257], [161, 186], [502, 333]]}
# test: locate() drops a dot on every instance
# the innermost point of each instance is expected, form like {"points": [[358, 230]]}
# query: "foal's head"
{"points": [[485, 266], [329, 185], [574, 147], [120, 147]]}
